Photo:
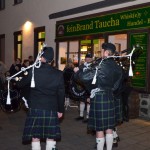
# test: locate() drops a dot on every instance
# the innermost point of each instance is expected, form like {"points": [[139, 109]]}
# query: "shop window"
{"points": [[68, 51], [17, 2], [39, 39], [86, 47], [2, 4], [62, 58], [97, 46], [18, 44], [120, 41], [74, 52]]}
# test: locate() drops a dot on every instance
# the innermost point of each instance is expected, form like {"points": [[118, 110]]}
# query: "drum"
{"points": [[15, 102], [77, 91]]}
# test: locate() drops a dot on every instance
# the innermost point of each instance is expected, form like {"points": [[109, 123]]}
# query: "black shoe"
{"points": [[54, 149], [118, 138], [79, 118], [85, 121], [95, 146], [91, 132], [115, 142]]}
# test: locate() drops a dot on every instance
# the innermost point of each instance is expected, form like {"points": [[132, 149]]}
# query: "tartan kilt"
{"points": [[118, 110], [102, 112], [41, 124]]}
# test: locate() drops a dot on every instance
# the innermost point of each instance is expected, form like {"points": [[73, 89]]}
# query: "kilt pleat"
{"points": [[102, 112], [118, 110], [41, 124]]}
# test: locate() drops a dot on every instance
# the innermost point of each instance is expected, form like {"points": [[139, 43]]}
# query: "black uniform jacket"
{"points": [[49, 90], [110, 75]]}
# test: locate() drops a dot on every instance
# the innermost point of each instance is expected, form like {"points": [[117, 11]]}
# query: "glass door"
{"points": [[62, 58], [120, 41], [97, 46], [73, 54]]}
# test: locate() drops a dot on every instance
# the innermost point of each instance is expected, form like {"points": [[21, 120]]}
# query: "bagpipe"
{"points": [[77, 90], [86, 78], [10, 94]]}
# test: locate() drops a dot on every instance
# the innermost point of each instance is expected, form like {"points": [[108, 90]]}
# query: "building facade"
{"points": [[74, 28]]}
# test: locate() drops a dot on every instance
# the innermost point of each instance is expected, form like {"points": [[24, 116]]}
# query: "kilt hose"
{"points": [[102, 112], [41, 124]]}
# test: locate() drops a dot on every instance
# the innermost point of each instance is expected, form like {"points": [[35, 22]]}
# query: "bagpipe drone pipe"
{"points": [[126, 59], [9, 95]]}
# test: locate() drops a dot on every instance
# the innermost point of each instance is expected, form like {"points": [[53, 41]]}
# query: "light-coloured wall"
{"points": [[37, 11]]}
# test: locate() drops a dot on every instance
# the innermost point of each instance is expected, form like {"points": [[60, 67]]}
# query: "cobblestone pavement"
{"points": [[134, 135]]}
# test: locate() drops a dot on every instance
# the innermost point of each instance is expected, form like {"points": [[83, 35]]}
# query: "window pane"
{"points": [[120, 41], [40, 45], [62, 55], [41, 35], [19, 38], [73, 51], [97, 43], [19, 53]]}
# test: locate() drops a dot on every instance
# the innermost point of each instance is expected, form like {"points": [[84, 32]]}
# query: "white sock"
{"points": [[67, 101], [82, 107], [100, 143], [50, 145], [115, 134], [109, 141], [87, 111], [36, 145]]}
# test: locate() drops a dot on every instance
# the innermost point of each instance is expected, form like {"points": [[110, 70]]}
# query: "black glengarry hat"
{"points": [[88, 55], [48, 54], [109, 46]]}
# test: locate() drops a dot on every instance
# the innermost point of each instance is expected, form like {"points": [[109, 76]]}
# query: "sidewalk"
{"points": [[134, 135]]}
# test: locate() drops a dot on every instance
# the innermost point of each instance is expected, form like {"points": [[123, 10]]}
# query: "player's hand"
{"points": [[59, 114], [76, 69]]}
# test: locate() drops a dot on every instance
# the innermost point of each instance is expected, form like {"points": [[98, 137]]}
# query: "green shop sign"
{"points": [[132, 19], [139, 79]]}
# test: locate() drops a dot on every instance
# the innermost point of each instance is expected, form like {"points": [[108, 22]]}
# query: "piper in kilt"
{"points": [[107, 78], [46, 103]]}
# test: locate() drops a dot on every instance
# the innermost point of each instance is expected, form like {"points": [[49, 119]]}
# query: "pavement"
{"points": [[134, 135]]}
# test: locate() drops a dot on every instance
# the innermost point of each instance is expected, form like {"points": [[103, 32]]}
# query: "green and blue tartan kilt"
{"points": [[118, 110], [41, 124], [102, 112]]}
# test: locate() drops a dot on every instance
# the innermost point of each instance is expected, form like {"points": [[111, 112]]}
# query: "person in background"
{"points": [[31, 60], [68, 72], [47, 103], [3, 70], [24, 91], [15, 67], [86, 103]]}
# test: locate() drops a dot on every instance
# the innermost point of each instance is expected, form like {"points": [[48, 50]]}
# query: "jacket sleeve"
{"points": [[61, 93]]}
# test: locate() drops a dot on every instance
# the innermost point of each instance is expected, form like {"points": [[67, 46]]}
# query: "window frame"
{"points": [[16, 43], [37, 40]]}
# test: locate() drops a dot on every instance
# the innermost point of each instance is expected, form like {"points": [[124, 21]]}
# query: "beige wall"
{"points": [[37, 11]]}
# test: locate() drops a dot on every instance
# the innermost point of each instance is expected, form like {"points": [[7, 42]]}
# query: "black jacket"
{"points": [[109, 75], [49, 91]]}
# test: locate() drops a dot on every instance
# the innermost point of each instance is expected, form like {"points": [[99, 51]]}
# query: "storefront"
{"points": [[124, 27]]}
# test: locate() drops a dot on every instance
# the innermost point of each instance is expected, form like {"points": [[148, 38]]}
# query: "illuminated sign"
{"points": [[132, 19]]}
